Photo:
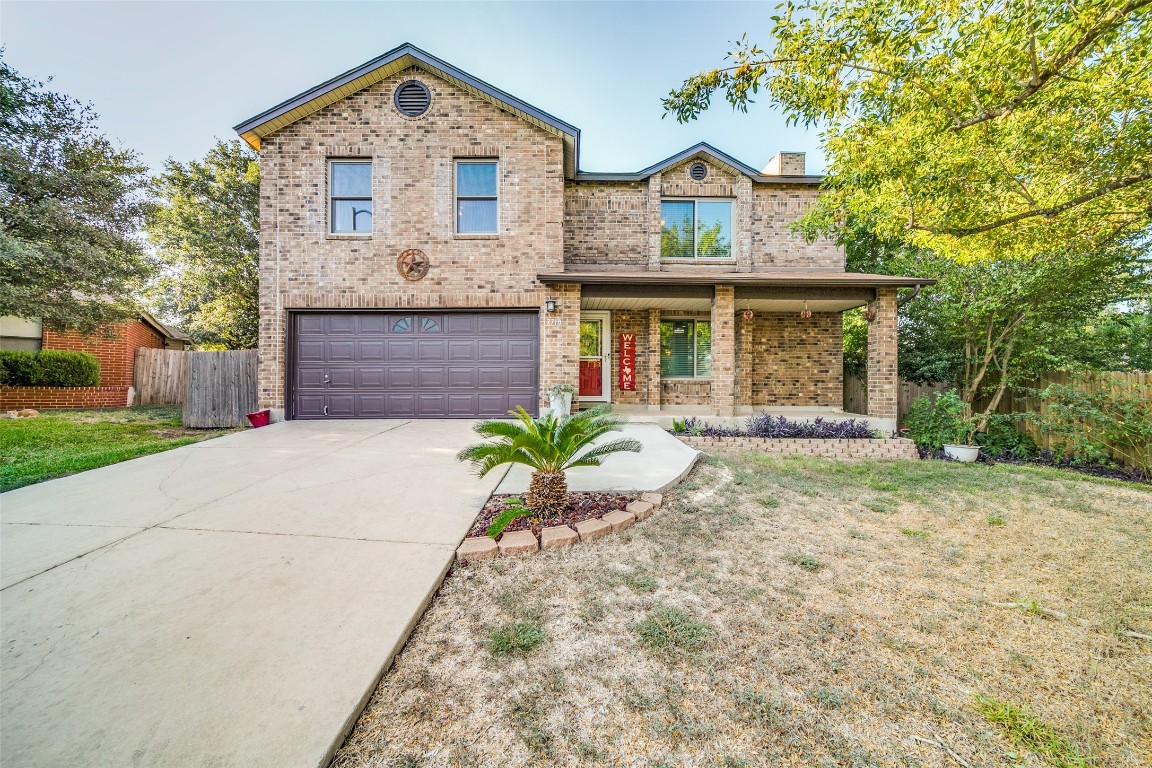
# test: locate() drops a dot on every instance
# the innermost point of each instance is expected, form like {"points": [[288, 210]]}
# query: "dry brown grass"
{"points": [[830, 636]]}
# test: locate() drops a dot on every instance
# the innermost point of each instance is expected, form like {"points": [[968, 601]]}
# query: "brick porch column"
{"points": [[652, 380], [882, 375], [560, 339], [724, 351], [744, 364]]}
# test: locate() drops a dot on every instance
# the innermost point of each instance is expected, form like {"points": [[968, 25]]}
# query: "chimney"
{"points": [[785, 164]]}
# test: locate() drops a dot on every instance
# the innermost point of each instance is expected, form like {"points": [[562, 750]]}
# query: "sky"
{"points": [[169, 78]]}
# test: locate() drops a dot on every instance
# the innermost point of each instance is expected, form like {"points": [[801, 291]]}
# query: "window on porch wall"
{"points": [[686, 349]]}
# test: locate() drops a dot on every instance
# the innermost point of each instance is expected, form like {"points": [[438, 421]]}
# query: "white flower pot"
{"points": [[962, 452], [561, 405]]}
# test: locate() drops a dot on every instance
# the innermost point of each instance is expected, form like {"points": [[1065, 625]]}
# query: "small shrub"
{"points": [[764, 425], [1002, 439], [666, 629], [995, 518], [511, 513], [807, 562], [16, 367], [1098, 425], [936, 420], [49, 368], [515, 638]]}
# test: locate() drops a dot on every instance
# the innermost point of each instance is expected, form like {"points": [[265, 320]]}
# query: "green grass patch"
{"points": [[1023, 728], [517, 637], [915, 533], [807, 562], [60, 443], [995, 518], [667, 629]]}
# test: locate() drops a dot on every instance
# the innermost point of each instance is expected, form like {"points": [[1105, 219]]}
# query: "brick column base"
{"points": [[882, 352], [724, 351]]}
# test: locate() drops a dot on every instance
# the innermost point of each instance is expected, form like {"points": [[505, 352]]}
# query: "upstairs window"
{"points": [[695, 229], [476, 209], [686, 349], [350, 197]]}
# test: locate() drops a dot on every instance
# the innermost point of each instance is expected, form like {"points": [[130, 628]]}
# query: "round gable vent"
{"points": [[698, 171], [413, 98]]}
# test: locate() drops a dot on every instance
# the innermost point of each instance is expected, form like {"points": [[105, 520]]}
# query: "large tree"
{"points": [[991, 324], [71, 205], [206, 232], [978, 128]]}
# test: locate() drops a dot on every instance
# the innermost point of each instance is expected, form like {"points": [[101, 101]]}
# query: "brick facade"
{"points": [[302, 266], [116, 352], [550, 221], [49, 398]]}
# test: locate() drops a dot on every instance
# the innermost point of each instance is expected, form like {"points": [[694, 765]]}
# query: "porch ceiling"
{"points": [[705, 305], [698, 298]]}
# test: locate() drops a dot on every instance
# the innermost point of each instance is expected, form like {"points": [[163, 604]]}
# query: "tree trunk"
{"points": [[547, 494]]}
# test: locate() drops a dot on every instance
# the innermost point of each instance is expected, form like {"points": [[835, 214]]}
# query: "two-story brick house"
{"points": [[431, 248]]}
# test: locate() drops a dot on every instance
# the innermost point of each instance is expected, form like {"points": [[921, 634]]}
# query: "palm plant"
{"points": [[550, 446]]}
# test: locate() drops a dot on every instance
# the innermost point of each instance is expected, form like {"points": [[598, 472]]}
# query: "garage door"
{"points": [[373, 365]]}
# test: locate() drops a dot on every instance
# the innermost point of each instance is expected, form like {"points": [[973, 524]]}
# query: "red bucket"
{"points": [[260, 418]]}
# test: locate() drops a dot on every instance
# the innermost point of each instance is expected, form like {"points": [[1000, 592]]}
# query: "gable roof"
{"points": [[705, 150], [407, 55]]}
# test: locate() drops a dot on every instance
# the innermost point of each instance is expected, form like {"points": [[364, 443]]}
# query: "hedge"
{"points": [[49, 368]]}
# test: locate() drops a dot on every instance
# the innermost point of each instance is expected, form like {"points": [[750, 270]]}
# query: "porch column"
{"points": [[652, 380], [560, 339], [724, 351], [882, 375], [744, 365]]}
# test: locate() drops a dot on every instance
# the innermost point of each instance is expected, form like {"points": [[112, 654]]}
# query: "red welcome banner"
{"points": [[628, 362]]}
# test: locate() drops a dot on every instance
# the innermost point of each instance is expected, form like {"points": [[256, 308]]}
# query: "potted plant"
{"points": [[964, 433], [560, 399]]}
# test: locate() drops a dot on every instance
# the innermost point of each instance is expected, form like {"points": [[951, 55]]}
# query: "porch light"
{"points": [[806, 314], [550, 305]]}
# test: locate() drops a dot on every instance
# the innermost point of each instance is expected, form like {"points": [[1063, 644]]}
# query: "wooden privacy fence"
{"points": [[856, 394], [221, 388], [160, 376], [1021, 399]]}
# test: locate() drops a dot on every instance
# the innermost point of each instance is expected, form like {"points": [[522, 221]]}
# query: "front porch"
{"points": [[665, 345]]}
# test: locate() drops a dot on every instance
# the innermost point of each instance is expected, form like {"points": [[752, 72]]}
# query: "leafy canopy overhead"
{"points": [[206, 232], [71, 204], [977, 128]]}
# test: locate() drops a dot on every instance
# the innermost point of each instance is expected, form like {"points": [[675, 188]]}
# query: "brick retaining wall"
{"points": [[888, 448], [47, 398]]}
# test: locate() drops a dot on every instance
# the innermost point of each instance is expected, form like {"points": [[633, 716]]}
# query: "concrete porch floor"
{"points": [[664, 415]]}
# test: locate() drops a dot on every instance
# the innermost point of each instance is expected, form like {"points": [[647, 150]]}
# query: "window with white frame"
{"points": [[695, 229], [685, 349], [350, 197], [476, 199]]}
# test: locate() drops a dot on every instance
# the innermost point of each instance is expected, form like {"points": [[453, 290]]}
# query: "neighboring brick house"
{"points": [[116, 351], [430, 248]]}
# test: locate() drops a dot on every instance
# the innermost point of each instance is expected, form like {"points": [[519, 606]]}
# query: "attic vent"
{"points": [[413, 98], [698, 171]]}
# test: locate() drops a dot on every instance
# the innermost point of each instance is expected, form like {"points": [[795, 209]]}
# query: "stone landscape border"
{"points": [[883, 448], [526, 543]]}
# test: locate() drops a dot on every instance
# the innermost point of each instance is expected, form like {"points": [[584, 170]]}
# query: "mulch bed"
{"points": [[581, 506], [1047, 459]]}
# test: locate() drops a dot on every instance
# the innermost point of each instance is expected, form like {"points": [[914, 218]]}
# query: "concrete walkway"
{"points": [[663, 463], [230, 603]]}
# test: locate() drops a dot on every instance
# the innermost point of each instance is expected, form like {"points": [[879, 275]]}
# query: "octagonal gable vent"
{"points": [[698, 171], [413, 98]]}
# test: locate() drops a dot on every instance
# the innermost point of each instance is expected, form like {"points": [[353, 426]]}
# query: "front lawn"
{"points": [[783, 611], [62, 443]]}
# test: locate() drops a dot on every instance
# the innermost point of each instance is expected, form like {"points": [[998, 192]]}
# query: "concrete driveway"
{"points": [[230, 603]]}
